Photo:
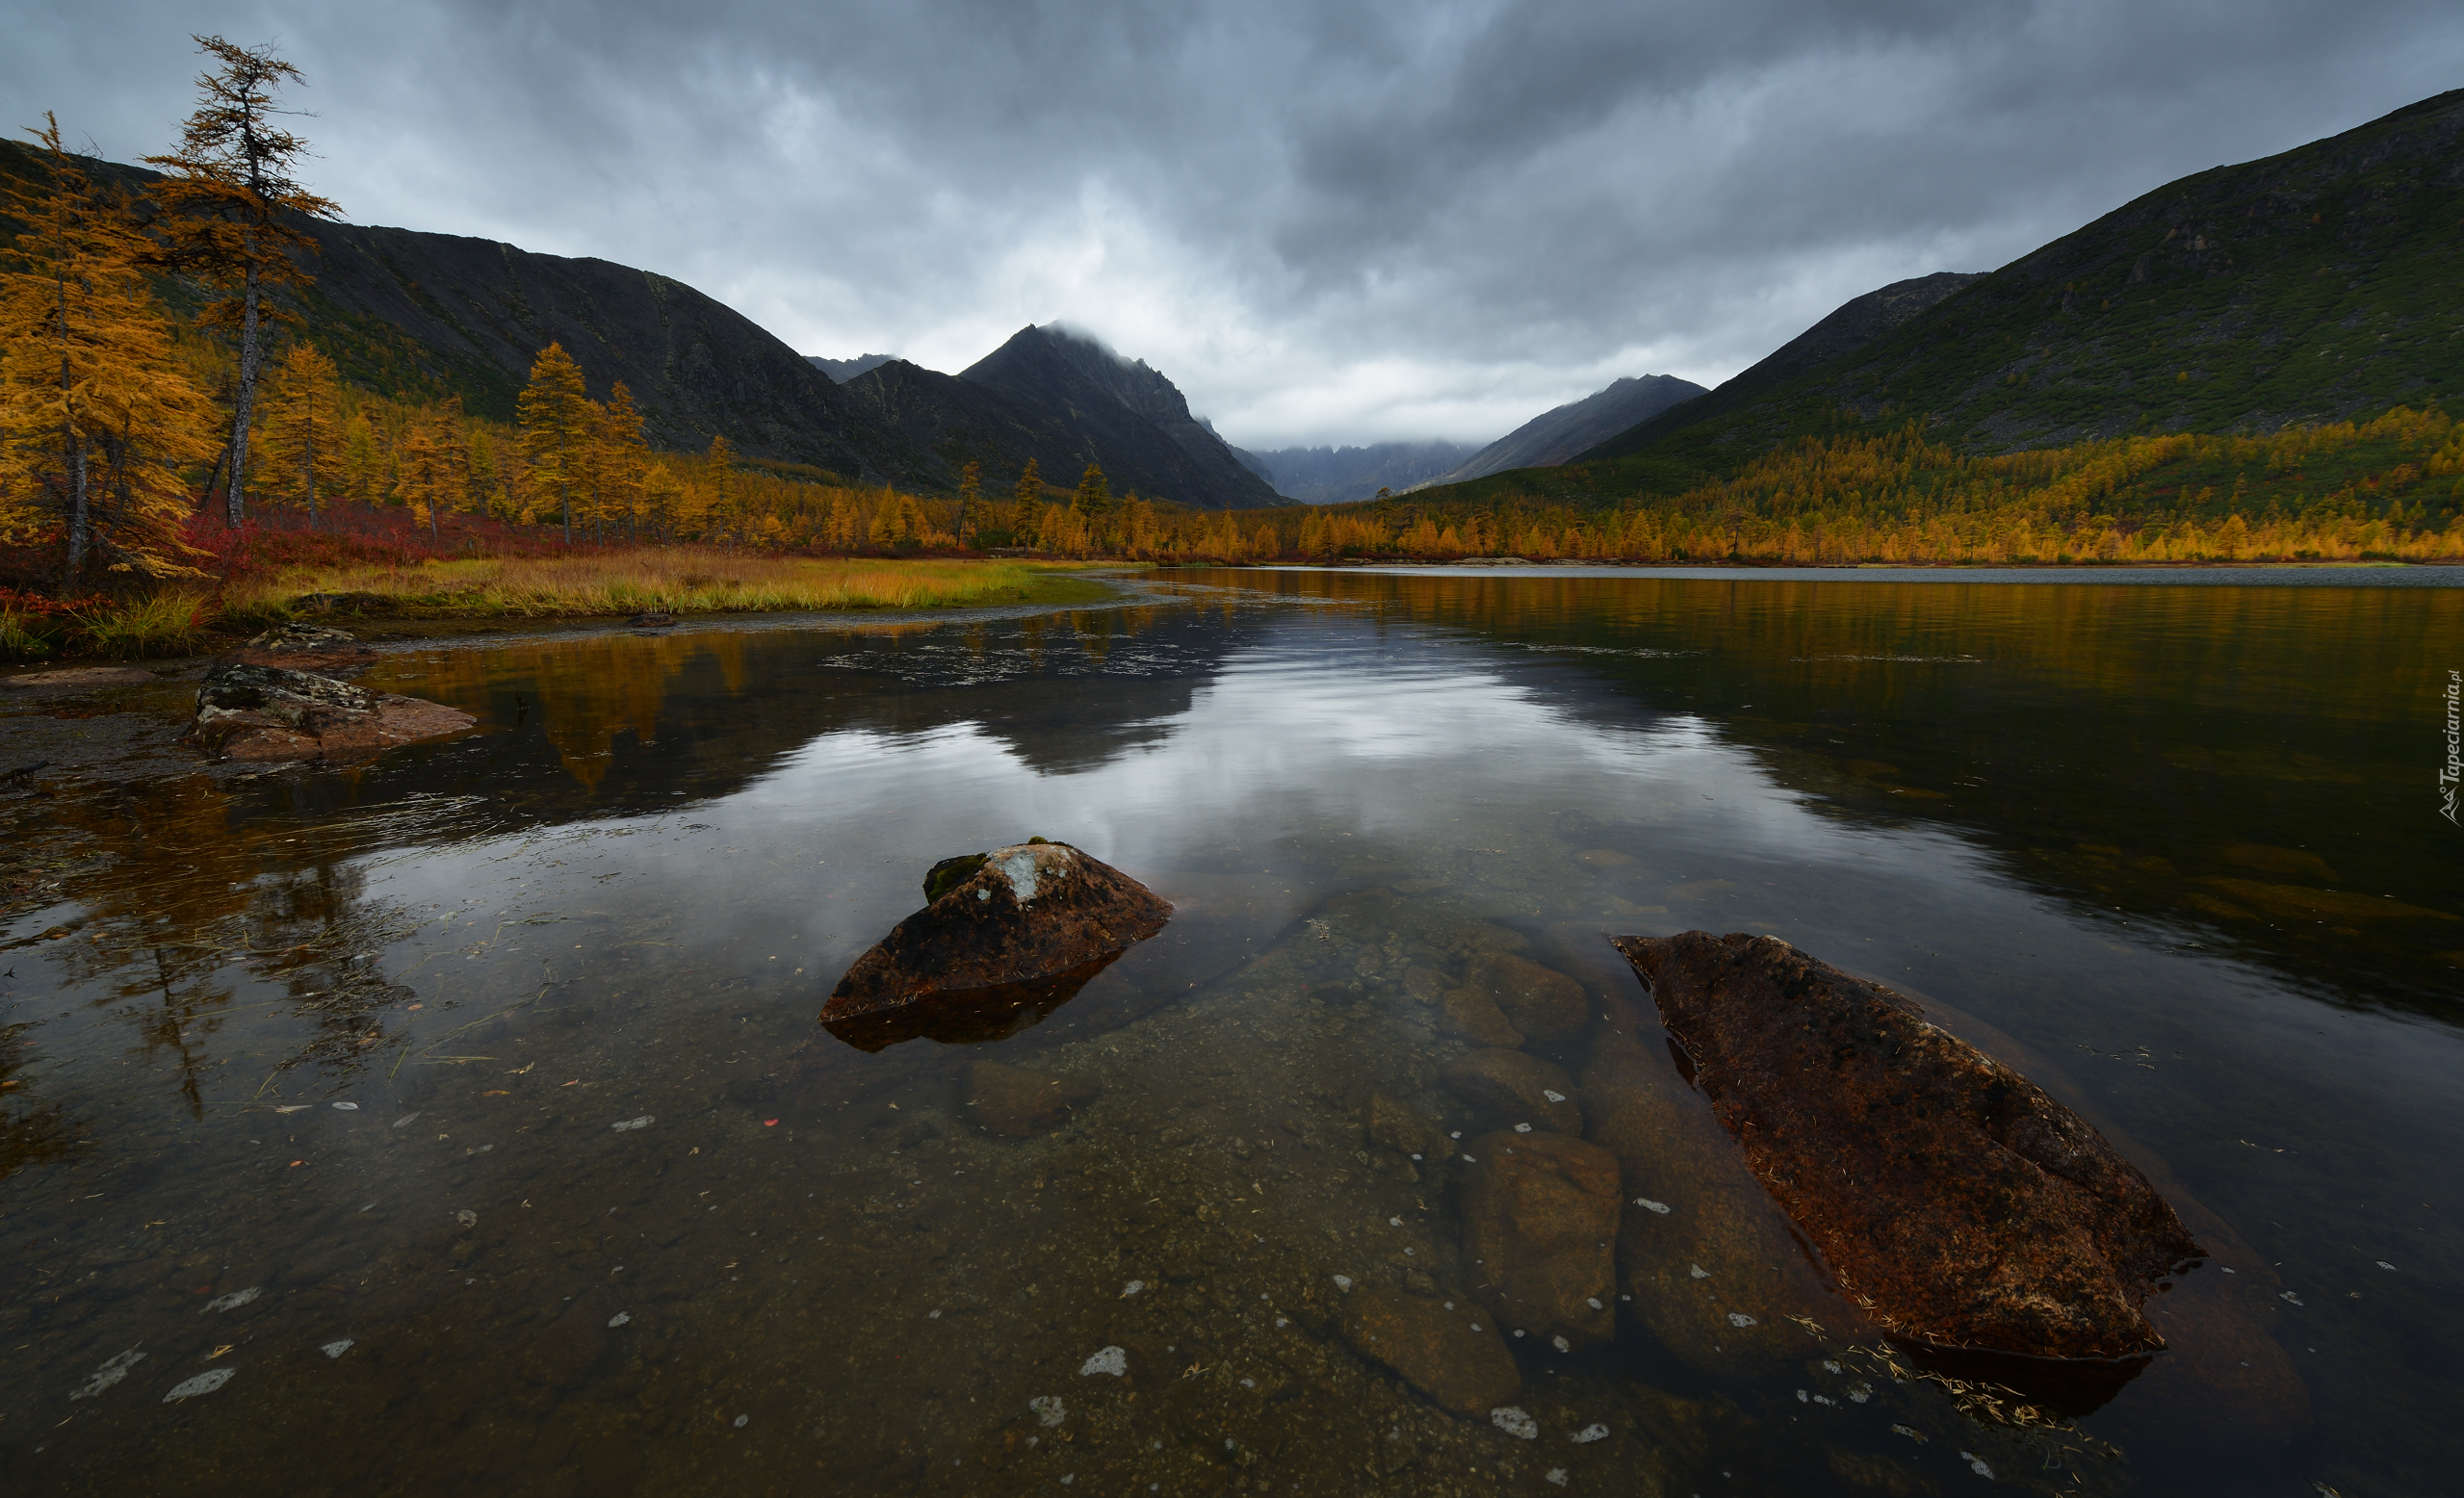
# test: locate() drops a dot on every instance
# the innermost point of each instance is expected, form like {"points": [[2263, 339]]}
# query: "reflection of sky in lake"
{"points": [[1651, 771]]}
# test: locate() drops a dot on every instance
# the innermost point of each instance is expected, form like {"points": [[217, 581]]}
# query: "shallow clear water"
{"points": [[2174, 851]]}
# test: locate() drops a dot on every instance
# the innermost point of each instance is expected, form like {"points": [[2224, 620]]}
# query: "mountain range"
{"points": [[421, 316], [1557, 435], [1064, 401], [2322, 284]]}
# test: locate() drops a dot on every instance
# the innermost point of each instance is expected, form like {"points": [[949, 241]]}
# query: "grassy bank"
{"points": [[669, 579], [684, 581]]}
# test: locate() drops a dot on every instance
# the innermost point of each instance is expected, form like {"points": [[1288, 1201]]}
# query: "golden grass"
{"points": [[667, 580]]}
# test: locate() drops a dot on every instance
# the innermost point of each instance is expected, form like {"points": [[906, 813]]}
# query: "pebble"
{"points": [[109, 1373], [338, 1347], [1650, 1205], [742, 1421], [1049, 1409], [404, 1119], [467, 1218], [644, 1122], [1588, 1434], [1114, 1360], [1976, 1463], [233, 1300], [1342, 1281], [619, 1319], [1740, 1318], [1512, 1420], [1556, 1476], [347, 1107], [203, 1384], [1132, 1288]]}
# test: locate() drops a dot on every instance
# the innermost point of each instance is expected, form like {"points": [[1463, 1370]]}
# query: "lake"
{"points": [[462, 1120]]}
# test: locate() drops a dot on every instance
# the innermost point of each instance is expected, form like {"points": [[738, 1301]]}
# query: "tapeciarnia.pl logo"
{"points": [[2453, 770]]}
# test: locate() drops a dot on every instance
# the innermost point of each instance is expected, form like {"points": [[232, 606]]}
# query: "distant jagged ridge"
{"points": [[1556, 436], [1337, 476], [1066, 401], [845, 370]]}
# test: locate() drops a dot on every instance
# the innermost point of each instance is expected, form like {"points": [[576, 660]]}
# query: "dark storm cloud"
{"points": [[1328, 221]]}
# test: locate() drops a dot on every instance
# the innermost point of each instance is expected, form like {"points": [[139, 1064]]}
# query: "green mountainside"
{"points": [[2321, 285]]}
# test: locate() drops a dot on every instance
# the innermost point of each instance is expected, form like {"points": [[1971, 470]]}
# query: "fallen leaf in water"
{"points": [[521, 1070], [295, 1164], [219, 1352], [496, 1092], [769, 1122], [414, 1006], [576, 1082], [291, 1107]]}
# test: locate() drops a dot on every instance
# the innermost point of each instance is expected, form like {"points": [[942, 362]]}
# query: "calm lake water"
{"points": [[468, 1110]]}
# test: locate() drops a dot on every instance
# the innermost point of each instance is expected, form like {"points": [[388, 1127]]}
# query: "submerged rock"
{"points": [[261, 713], [1510, 1087], [1949, 1194], [1455, 1357], [1476, 1018], [1016, 1103], [1396, 1127], [1019, 933], [1544, 1004], [1700, 1243], [1539, 1233]]}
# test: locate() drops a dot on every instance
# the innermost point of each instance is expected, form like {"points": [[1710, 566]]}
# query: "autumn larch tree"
{"points": [[305, 430], [96, 412], [624, 456], [971, 486], [558, 421], [723, 488], [230, 182]]}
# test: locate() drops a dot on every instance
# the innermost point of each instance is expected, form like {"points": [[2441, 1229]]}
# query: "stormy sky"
{"points": [[1346, 220]]}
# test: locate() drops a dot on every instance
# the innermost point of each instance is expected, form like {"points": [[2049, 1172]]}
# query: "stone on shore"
{"points": [[1016, 936], [1016, 1103], [306, 647], [1456, 1358], [76, 677], [1544, 1004], [1949, 1194], [260, 713], [1540, 1215], [1508, 1087], [1476, 1018]]}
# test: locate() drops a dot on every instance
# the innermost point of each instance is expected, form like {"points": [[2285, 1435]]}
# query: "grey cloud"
{"points": [[1327, 223]]}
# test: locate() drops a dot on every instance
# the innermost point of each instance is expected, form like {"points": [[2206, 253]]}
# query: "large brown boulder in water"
{"points": [[1009, 933], [1949, 1194], [260, 712]]}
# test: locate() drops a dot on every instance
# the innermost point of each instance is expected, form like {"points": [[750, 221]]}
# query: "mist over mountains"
{"points": [[1337, 476]]}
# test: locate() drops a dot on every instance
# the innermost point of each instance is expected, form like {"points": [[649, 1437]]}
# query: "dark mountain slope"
{"points": [[1037, 398], [1853, 324], [2324, 283], [419, 316], [696, 367], [1558, 435], [1088, 405]]}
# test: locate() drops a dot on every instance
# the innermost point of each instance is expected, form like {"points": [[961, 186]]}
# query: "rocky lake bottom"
{"points": [[462, 1117]]}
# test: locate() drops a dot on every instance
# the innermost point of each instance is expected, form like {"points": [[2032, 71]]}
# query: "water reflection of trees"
{"points": [[2128, 749]]}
